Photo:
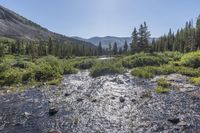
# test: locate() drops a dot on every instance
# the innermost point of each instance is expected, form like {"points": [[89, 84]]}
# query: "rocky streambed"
{"points": [[107, 104]]}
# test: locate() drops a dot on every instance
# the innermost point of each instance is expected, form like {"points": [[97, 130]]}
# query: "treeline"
{"points": [[140, 42], [42, 48], [184, 40]]}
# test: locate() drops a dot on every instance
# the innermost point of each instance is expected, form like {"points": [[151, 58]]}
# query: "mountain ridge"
{"points": [[108, 39], [14, 25]]}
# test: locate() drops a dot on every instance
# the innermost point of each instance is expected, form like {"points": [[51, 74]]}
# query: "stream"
{"points": [[107, 104]]}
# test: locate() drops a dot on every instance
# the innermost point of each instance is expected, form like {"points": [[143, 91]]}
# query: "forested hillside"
{"points": [[22, 36]]}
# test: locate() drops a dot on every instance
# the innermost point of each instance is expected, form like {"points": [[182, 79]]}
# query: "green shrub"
{"points": [[140, 60], [85, 64], [54, 82], [151, 71], [141, 73], [45, 71], [163, 83], [191, 59], [69, 69], [54, 62], [160, 89], [188, 71], [106, 67], [173, 56], [196, 81], [4, 66], [21, 64], [10, 76], [27, 75]]}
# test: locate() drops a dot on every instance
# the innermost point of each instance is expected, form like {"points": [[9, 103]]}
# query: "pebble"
{"points": [[53, 111], [121, 99], [174, 120], [54, 131]]}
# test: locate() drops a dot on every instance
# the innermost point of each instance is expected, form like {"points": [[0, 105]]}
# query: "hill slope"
{"points": [[13, 25]]}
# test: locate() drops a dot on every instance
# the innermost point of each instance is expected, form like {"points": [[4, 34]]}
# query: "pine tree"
{"points": [[134, 43], [50, 47], [125, 47], [100, 50], [197, 36], [115, 49]]}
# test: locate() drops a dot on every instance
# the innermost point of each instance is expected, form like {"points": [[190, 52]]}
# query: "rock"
{"points": [[67, 94], [112, 98], [174, 120], [26, 114], [51, 100], [94, 100], [121, 99], [133, 100], [182, 123], [79, 99], [53, 111], [54, 131]]}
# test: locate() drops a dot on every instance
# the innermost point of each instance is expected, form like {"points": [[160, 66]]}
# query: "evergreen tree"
{"points": [[125, 47], [115, 49], [100, 50], [197, 36], [134, 43]]}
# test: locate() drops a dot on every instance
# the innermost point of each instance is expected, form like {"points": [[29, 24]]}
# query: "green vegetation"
{"points": [[160, 89], [196, 81], [21, 70], [191, 59], [163, 82], [163, 86], [106, 67]]}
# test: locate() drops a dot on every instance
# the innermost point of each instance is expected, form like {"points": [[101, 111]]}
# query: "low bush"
{"points": [[10, 76], [54, 82], [196, 81], [160, 89], [191, 59], [151, 71], [140, 60], [45, 72], [142, 73], [85, 64], [163, 83], [69, 69], [55, 63], [191, 72], [106, 67], [28, 75]]}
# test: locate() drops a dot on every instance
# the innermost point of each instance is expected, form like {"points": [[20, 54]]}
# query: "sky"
{"points": [[88, 18]]}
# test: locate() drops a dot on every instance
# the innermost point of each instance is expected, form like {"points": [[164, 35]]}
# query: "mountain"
{"points": [[13, 25], [108, 39]]}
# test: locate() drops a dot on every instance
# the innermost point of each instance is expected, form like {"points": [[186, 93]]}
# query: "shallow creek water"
{"points": [[107, 104]]}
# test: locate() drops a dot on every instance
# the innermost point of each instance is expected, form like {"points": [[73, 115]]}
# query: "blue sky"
{"points": [[88, 18]]}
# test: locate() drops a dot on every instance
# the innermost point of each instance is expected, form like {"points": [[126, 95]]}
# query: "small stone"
{"points": [[94, 100], [121, 99], [53, 111], [26, 114], [133, 100], [54, 131], [174, 120], [51, 100], [112, 98], [67, 94], [79, 99], [182, 123]]}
